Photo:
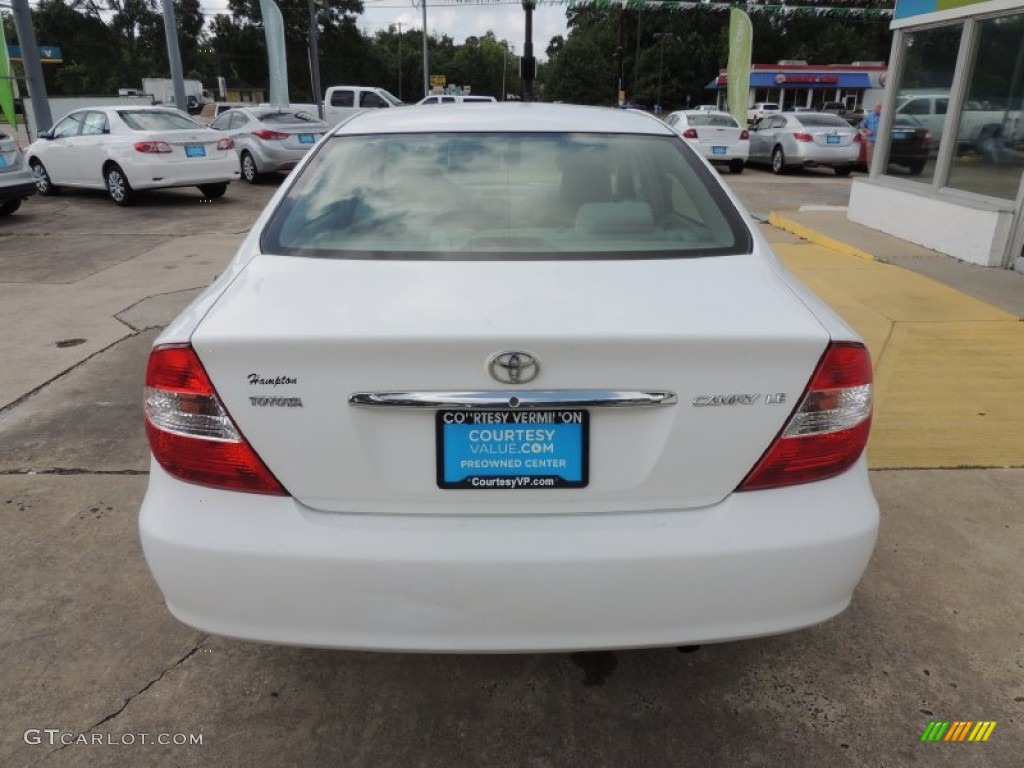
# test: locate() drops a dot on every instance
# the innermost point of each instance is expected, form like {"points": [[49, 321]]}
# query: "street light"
{"points": [[660, 37]]}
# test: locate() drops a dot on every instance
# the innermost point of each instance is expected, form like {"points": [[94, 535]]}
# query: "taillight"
{"points": [[827, 432], [153, 147], [190, 432], [226, 143], [927, 138], [690, 133], [744, 135], [858, 138], [803, 136], [268, 135]]}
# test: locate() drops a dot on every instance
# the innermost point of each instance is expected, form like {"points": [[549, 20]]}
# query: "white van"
{"points": [[341, 101]]}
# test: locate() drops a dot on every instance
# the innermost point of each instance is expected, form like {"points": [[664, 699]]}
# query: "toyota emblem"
{"points": [[514, 367]]}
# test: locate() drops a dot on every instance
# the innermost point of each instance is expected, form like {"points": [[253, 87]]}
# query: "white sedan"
{"points": [[519, 379], [125, 149], [716, 135]]}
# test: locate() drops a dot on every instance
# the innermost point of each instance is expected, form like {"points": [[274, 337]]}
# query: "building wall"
{"points": [[957, 72], [971, 234]]}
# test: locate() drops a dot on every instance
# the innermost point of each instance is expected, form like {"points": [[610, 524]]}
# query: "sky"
{"points": [[459, 21]]}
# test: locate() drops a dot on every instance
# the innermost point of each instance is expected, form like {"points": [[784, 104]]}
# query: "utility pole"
{"points": [[426, 63], [660, 36], [528, 64], [399, 61], [314, 59], [636, 60]]}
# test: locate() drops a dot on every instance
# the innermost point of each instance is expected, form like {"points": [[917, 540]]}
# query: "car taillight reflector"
{"points": [[827, 432], [268, 135], [153, 147], [226, 143], [803, 136], [190, 432], [690, 133], [858, 138], [744, 135]]}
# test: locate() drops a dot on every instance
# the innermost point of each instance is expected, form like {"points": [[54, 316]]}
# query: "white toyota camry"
{"points": [[522, 379], [124, 149]]}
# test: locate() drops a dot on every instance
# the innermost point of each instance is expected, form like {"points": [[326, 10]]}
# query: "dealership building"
{"points": [[957, 69], [799, 84]]}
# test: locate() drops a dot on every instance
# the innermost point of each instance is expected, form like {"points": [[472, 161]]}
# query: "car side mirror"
{"points": [[47, 134]]}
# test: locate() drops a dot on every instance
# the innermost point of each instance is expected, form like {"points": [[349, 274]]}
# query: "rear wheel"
{"points": [[916, 167], [249, 170], [778, 161], [43, 183], [213, 191], [6, 209], [736, 166], [118, 188], [843, 170]]}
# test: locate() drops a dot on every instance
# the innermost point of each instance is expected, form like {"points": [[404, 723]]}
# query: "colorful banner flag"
{"points": [[741, 42], [6, 84]]}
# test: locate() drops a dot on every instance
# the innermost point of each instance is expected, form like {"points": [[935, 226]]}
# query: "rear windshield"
{"points": [[157, 121], [706, 118], [498, 196], [288, 118], [819, 120]]}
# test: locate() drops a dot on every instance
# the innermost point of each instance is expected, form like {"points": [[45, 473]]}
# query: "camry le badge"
{"points": [[514, 367]]}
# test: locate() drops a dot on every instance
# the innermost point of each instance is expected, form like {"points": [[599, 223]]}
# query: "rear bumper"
{"points": [[18, 191], [158, 174], [270, 159], [269, 569], [815, 155]]}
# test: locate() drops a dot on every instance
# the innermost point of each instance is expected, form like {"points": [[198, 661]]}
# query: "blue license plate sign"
{"points": [[900, 135], [831, 139], [512, 450], [718, 150], [195, 150], [3, 161], [307, 138]]}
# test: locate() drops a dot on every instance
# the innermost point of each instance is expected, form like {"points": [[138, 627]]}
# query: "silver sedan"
{"points": [[269, 139], [797, 140]]}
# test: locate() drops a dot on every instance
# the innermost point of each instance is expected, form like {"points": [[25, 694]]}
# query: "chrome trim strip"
{"points": [[526, 400]]}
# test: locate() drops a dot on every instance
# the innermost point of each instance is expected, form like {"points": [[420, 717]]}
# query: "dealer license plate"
{"points": [[510, 450], [3, 161], [900, 135], [195, 150], [307, 138], [831, 139], [718, 150]]}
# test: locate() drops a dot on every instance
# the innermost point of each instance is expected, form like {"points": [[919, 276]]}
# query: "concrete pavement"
{"points": [[88, 647]]}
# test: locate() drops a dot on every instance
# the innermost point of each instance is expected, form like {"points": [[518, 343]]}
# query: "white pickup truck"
{"points": [[929, 110], [341, 101]]}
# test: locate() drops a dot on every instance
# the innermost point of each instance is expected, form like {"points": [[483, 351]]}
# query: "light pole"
{"points": [[528, 64], [660, 37], [314, 59]]}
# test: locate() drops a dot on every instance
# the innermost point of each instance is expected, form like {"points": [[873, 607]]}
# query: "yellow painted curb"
{"points": [[816, 237]]}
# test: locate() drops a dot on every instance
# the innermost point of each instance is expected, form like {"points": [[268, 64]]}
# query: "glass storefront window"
{"points": [[922, 99], [990, 139]]}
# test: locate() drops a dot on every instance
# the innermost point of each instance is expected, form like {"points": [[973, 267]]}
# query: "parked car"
{"points": [[909, 148], [524, 378], [127, 149], [343, 101], [716, 135], [801, 140], [448, 99], [213, 109], [268, 140], [761, 110], [16, 180]]}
